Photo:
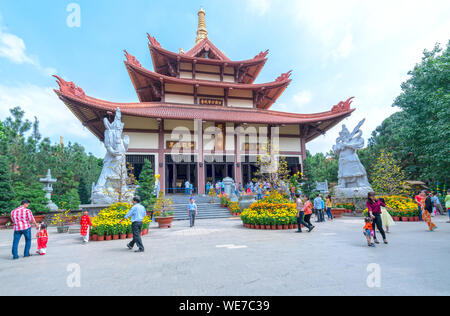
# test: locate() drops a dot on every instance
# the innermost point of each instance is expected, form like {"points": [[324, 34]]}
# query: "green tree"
{"points": [[147, 185], [34, 193], [6, 190]]}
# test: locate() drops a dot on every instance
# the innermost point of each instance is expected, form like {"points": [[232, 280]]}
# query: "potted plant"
{"points": [[60, 220], [122, 231], [115, 232], [212, 195], [163, 211], [94, 233], [4, 219], [101, 233], [108, 233], [129, 231]]}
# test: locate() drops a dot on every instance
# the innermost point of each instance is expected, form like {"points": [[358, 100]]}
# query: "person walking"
{"points": [[427, 208], [374, 208], [307, 208], [301, 215], [187, 187], [437, 204], [329, 206], [318, 207], [447, 204], [22, 219], [85, 223], [192, 211], [136, 214], [386, 218], [418, 199]]}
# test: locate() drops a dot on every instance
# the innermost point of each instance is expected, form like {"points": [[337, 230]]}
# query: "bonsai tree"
{"points": [[163, 206], [6, 189], [147, 185]]}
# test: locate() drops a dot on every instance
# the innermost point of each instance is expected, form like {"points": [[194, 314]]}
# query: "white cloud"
{"points": [[302, 98], [54, 117], [260, 7], [344, 48], [13, 48]]}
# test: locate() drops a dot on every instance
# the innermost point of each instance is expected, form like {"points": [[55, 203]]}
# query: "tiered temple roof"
{"points": [[232, 76]]}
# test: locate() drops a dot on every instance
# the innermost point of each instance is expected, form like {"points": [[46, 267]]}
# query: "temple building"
{"points": [[200, 116]]}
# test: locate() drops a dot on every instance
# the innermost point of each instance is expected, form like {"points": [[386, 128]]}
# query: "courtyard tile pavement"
{"points": [[220, 257]]}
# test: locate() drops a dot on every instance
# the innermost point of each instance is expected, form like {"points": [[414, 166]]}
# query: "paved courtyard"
{"points": [[220, 257]]}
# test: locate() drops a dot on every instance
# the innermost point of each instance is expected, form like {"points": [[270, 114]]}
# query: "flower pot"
{"points": [[268, 227], [405, 219], [256, 226], [115, 237], [108, 237], [291, 226], [39, 218], [94, 237], [286, 227], [164, 222], [4, 220], [396, 219], [130, 235], [62, 229], [246, 201], [295, 226], [416, 218], [145, 231], [279, 226], [252, 226], [123, 236], [337, 213], [101, 238], [273, 227]]}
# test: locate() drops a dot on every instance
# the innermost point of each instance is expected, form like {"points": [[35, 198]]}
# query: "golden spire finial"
{"points": [[202, 33]]}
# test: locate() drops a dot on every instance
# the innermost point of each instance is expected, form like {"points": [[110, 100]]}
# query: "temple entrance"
{"points": [[137, 162], [249, 168], [178, 172], [218, 167]]}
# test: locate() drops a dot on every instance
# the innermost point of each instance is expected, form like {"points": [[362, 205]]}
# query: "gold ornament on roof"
{"points": [[202, 33]]}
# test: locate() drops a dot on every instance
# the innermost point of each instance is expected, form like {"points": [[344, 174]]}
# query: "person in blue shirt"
{"points": [[192, 211], [136, 214]]}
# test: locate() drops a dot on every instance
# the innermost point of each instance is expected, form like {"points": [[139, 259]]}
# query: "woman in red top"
{"points": [[307, 208], [374, 208], [85, 223]]}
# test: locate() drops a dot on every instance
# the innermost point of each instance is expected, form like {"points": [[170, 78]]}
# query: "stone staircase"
{"points": [[206, 209]]}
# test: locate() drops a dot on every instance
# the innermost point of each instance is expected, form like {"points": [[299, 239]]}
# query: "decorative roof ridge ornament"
{"points": [[262, 55], [153, 40], [284, 76], [67, 87], [343, 106], [131, 59], [202, 32]]}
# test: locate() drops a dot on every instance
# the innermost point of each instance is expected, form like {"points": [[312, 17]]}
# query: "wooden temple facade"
{"points": [[200, 116]]}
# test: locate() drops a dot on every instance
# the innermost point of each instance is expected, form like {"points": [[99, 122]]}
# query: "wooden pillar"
{"points": [[161, 158], [237, 157], [200, 159]]}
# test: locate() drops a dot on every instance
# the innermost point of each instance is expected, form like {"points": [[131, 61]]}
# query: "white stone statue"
{"points": [[112, 182], [352, 175]]}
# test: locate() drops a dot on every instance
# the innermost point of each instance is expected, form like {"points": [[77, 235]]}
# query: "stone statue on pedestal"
{"points": [[113, 178], [352, 175]]}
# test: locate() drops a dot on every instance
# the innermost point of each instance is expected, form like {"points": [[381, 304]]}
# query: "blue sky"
{"points": [[336, 49]]}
